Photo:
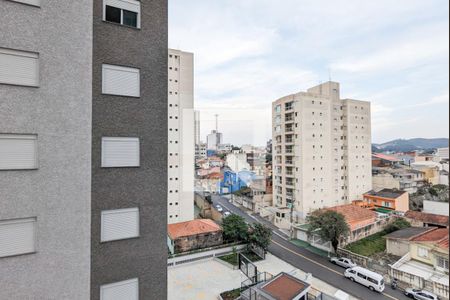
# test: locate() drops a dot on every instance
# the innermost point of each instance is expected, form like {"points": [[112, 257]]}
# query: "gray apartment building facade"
{"points": [[130, 113], [83, 94]]}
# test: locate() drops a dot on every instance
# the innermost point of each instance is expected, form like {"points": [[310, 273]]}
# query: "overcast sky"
{"points": [[249, 53]]}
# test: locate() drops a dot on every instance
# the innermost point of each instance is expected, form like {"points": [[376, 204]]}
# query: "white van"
{"points": [[372, 280]]}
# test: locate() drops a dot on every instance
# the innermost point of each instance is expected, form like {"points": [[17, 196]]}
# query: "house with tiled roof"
{"points": [[387, 199], [361, 221], [384, 160], [426, 265], [193, 235], [422, 219], [397, 242]]}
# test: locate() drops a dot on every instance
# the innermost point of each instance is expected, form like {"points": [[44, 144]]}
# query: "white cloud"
{"points": [[413, 52], [249, 53]]}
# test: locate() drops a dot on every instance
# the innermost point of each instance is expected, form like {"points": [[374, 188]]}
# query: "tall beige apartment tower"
{"points": [[321, 148], [181, 133]]}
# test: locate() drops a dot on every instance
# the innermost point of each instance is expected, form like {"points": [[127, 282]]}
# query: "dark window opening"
{"points": [[112, 14], [129, 18]]}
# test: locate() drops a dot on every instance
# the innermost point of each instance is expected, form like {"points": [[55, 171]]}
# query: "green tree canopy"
{"points": [[329, 225], [235, 228], [398, 224], [260, 236]]}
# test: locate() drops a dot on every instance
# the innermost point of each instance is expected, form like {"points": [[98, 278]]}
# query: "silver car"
{"points": [[420, 294], [219, 208], [343, 262]]}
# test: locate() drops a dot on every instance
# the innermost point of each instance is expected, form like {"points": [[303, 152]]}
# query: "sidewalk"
{"points": [[307, 246]]}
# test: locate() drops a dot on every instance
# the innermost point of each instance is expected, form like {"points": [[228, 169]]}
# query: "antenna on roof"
{"points": [[329, 74], [217, 122]]}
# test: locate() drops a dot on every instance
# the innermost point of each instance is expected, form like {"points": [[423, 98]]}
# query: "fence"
{"points": [[366, 262], [205, 254]]}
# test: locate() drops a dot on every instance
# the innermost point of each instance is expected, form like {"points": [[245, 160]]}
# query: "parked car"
{"points": [[226, 214], [420, 294], [343, 262], [219, 208], [372, 280]]}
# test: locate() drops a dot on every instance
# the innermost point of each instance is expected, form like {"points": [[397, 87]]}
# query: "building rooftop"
{"points": [[214, 175], [191, 228], [386, 157], [408, 233], [444, 243], [284, 287], [427, 218], [437, 235], [353, 213], [386, 193]]}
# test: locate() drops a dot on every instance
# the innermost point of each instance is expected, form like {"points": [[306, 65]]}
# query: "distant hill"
{"points": [[402, 145]]}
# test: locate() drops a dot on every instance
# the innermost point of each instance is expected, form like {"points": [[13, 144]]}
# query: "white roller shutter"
{"points": [[131, 5], [122, 81], [30, 2], [19, 67], [120, 152], [17, 237], [18, 152], [119, 224], [123, 290]]}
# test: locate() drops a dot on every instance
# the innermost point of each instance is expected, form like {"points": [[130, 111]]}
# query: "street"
{"points": [[310, 262]]}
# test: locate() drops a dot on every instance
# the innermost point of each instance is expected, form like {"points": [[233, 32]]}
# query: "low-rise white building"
{"points": [[237, 162], [435, 207]]}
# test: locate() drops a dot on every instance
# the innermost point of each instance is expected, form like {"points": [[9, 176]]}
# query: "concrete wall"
{"points": [[435, 207], [59, 111], [397, 247], [144, 117], [384, 181]]}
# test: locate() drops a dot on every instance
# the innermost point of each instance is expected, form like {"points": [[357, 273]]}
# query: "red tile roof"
{"points": [[354, 213], [427, 218], [437, 235], [444, 244], [284, 287], [214, 176], [190, 228], [386, 157]]}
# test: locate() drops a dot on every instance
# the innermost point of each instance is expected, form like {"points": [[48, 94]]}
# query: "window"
{"points": [[124, 12], [121, 81], [19, 67], [362, 276], [30, 2], [278, 108], [17, 237], [120, 152], [442, 262], [422, 252], [18, 152], [119, 224], [123, 290]]}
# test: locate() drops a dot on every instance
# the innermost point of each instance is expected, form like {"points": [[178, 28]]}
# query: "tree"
{"points": [[329, 225], [235, 228], [260, 236], [398, 224]]}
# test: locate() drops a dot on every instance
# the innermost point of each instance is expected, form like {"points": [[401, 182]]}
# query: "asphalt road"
{"points": [[310, 262]]}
